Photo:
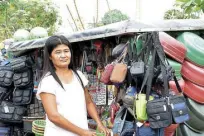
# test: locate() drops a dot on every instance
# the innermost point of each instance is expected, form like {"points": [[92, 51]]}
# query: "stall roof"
{"points": [[124, 27]]}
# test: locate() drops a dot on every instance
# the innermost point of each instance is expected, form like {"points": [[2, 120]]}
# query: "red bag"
{"points": [[105, 77]]}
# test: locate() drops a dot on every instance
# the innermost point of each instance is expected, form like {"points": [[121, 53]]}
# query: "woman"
{"points": [[61, 90]]}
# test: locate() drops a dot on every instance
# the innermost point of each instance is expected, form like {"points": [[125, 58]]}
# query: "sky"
{"points": [[149, 10]]}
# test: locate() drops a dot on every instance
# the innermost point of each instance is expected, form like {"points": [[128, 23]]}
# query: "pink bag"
{"points": [[105, 77]]}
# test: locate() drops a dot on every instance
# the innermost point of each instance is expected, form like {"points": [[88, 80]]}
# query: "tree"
{"points": [[188, 9], [178, 14], [27, 14], [113, 16], [77, 11], [191, 6]]}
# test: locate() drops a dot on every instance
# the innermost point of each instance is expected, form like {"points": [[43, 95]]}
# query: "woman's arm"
{"points": [[50, 106], [91, 108]]}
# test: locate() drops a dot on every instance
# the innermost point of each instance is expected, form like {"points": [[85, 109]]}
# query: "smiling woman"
{"points": [[61, 56], [63, 92]]}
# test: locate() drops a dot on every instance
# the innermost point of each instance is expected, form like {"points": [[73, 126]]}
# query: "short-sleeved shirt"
{"points": [[70, 103]]}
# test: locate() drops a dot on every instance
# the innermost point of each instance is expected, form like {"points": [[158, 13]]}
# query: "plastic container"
{"points": [[38, 127]]}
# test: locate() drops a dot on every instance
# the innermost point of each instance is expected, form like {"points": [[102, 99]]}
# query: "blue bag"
{"points": [[128, 128], [121, 124]]}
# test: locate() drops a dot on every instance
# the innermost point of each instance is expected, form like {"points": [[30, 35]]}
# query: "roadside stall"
{"points": [[124, 63]]}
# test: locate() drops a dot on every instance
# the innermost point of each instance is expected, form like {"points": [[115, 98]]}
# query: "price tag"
{"points": [[6, 109]]}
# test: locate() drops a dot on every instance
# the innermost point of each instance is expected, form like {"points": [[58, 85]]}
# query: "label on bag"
{"points": [[139, 124], [6, 109], [164, 107]]}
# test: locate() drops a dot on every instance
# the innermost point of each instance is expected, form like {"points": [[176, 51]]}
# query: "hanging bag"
{"points": [[178, 106], [137, 65], [105, 77], [21, 63], [120, 69], [158, 110], [141, 99], [6, 76]]}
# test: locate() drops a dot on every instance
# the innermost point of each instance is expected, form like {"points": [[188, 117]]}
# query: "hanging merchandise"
{"points": [[120, 68], [22, 96], [194, 45], [23, 79], [6, 76], [142, 99], [160, 111], [121, 124], [172, 47], [129, 97], [100, 94], [105, 77], [111, 91], [21, 63], [137, 65]]}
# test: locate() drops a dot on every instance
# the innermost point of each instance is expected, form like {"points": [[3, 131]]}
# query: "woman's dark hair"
{"points": [[51, 43]]}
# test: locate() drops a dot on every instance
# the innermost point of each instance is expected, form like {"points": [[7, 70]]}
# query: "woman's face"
{"points": [[61, 56]]}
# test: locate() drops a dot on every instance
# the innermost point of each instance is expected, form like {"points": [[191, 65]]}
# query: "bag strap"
{"points": [[175, 80], [177, 84], [123, 54], [123, 122], [151, 73], [163, 65], [147, 73], [79, 78], [5, 95]]}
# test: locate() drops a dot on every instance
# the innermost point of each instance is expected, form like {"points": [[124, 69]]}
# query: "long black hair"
{"points": [[51, 43]]}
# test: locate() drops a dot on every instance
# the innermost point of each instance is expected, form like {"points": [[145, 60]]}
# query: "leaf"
{"points": [[198, 2], [182, 1], [188, 10]]}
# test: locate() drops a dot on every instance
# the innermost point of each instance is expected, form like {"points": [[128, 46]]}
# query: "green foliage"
{"points": [[113, 16], [178, 14], [191, 7], [27, 14]]}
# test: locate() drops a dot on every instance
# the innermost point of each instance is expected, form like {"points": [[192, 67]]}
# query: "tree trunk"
{"points": [[72, 17], [96, 12], [78, 14], [108, 5]]}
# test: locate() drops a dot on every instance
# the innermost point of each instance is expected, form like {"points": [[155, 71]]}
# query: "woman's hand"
{"points": [[104, 130], [88, 133]]}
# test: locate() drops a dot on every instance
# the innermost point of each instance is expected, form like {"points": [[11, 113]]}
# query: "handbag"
{"points": [[176, 103], [141, 98], [86, 66], [137, 66], [105, 77], [120, 124], [6, 76], [140, 103], [178, 106], [120, 69], [158, 110]]}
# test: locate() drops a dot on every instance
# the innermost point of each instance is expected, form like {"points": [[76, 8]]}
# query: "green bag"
{"points": [[140, 106]]}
